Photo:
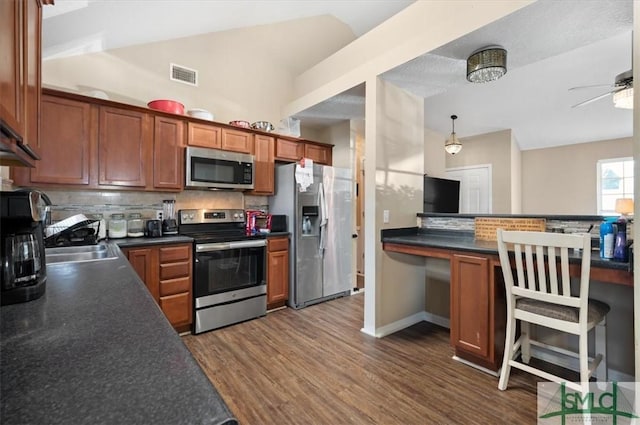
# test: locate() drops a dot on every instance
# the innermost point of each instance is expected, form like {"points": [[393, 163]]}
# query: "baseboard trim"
{"points": [[436, 320], [475, 366], [399, 325]]}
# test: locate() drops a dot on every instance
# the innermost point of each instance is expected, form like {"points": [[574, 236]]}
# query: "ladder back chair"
{"points": [[540, 294]]}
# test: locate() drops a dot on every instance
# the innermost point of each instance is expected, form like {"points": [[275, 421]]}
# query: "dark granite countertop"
{"points": [[547, 216], [164, 240], [465, 241], [97, 349]]}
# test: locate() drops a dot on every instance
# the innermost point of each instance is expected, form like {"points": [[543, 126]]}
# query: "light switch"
{"points": [[385, 216]]}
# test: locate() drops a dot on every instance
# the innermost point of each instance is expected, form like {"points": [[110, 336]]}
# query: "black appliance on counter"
{"points": [[441, 195], [229, 272], [23, 267]]}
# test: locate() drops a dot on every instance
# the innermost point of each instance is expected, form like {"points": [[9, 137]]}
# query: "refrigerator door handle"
{"points": [[323, 219]]}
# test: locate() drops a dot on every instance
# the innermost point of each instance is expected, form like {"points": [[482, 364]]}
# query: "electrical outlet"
{"points": [[159, 215], [385, 216]]}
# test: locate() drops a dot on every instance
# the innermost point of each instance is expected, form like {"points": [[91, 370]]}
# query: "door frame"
{"points": [[489, 168]]}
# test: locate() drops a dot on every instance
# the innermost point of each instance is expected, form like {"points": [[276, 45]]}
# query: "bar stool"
{"points": [[541, 295]]}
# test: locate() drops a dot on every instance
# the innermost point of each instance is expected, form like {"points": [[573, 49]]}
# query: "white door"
{"points": [[475, 188]]}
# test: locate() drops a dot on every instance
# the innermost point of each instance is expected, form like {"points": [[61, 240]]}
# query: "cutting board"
{"points": [[486, 226]]}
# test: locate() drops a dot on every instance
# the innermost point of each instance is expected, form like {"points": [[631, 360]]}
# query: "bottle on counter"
{"points": [[117, 226], [135, 226], [607, 237]]}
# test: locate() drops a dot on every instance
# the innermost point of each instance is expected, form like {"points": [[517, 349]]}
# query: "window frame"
{"points": [[599, 165]]}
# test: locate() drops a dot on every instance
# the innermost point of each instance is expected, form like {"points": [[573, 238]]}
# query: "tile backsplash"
{"points": [[67, 203]]}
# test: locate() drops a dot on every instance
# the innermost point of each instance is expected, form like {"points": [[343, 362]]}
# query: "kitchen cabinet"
{"points": [[264, 165], [320, 154], [65, 145], [237, 141], [166, 270], [288, 150], [168, 153], [124, 147], [277, 271], [474, 298], [204, 136], [292, 150], [20, 75]]}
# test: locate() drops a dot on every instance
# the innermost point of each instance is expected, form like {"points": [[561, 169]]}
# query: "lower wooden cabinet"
{"points": [[477, 322], [166, 270], [277, 271]]}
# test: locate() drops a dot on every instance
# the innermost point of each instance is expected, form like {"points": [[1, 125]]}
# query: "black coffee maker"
{"points": [[23, 268]]}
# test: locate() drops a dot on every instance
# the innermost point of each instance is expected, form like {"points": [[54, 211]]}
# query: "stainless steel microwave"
{"points": [[217, 169]]}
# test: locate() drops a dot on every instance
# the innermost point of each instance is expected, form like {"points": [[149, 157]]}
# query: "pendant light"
{"points": [[453, 145]]}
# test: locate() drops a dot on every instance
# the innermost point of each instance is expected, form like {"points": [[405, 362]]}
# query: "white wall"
{"points": [[394, 152], [562, 180], [245, 74], [490, 148]]}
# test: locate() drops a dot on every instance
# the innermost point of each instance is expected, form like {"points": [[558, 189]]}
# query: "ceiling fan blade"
{"points": [[593, 99], [589, 87]]}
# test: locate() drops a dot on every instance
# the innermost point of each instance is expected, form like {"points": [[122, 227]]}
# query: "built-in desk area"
{"points": [[478, 306]]}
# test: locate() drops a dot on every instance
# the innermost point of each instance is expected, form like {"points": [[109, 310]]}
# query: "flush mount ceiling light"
{"points": [[487, 64], [453, 145]]}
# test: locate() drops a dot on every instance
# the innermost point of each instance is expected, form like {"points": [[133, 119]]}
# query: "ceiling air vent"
{"points": [[183, 74]]}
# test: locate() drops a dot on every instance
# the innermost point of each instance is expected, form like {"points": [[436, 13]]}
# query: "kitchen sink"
{"points": [[76, 254]]}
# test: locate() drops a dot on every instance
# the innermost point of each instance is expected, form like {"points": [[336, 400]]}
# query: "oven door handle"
{"points": [[224, 246]]}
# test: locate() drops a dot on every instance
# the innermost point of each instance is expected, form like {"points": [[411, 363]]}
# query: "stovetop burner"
{"points": [[208, 225]]}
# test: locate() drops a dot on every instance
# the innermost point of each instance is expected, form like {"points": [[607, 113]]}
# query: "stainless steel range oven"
{"points": [[229, 282]]}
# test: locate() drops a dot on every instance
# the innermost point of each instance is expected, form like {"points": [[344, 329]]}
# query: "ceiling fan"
{"points": [[622, 91]]}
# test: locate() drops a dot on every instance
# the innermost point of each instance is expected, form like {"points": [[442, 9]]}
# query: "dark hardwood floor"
{"points": [[315, 366]]}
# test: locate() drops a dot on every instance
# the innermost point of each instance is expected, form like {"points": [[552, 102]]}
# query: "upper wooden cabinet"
{"points": [[204, 136], [66, 143], [290, 150], [93, 143], [320, 154], [263, 170], [124, 147], [168, 153], [237, 141], [20, 72]]}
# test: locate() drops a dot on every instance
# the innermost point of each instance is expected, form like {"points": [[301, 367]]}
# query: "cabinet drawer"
{"points": [[280, 244], [177, 308], [175, 270], [170, 254], [175, 286]]}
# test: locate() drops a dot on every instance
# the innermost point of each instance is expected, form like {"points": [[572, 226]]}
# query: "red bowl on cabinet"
{"points": [[170, 106]]}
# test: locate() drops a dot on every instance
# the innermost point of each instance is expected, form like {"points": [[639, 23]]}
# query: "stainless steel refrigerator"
{"points": [[320, 223]]}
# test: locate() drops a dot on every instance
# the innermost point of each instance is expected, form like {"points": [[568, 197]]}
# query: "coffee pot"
{"points": [[23, 265]]}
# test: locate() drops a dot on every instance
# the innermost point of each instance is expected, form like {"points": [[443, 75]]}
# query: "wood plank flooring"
{"points": [[315, 366]]}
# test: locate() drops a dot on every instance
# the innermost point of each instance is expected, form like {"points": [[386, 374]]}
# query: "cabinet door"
{"points": [[168, 153], [11, 82], [204, 136], [470, 312], [288, 150], [277, 271], [317, 153], [145, 262], [65, 146], [237, 141], [177, 308], [264, 165], [32, 74], [124, 147]]}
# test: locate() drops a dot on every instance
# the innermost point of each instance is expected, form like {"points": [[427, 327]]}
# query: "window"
{"points": [[615, 180]]}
